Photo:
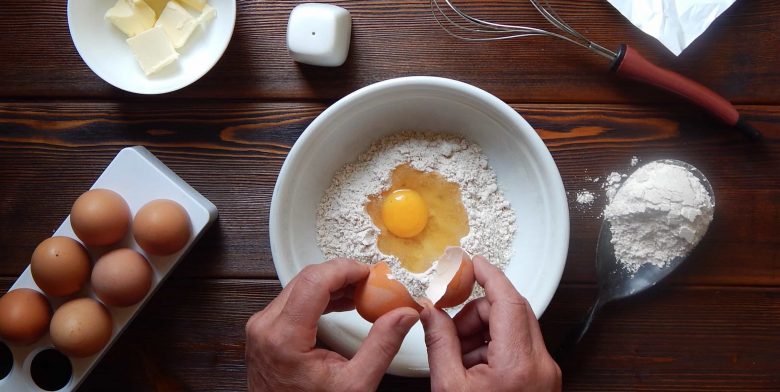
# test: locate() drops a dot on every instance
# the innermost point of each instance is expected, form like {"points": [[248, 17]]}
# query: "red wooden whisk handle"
{"points": [[631, 65]]}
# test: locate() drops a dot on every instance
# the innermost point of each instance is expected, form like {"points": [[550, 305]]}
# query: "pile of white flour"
{"points": [[344, 229], [659, 213]]}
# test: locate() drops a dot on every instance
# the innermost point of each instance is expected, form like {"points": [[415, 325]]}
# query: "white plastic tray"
{"points": [[139, 177]]}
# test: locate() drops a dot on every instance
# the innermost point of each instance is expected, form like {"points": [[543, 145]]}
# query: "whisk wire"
{"points": [[549, 13], [467, 26], [465, 19], [498, 31]]}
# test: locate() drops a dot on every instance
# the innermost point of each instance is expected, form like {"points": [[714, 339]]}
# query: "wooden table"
{"points": [[713, 325]]}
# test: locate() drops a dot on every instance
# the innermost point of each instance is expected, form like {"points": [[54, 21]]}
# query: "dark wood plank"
{"points": [[190, 337], [713, 326], [736, 57], [232, 153], [671, 339]]}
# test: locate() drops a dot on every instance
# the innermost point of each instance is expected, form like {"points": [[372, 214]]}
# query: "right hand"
{"points": [[493, 343]]}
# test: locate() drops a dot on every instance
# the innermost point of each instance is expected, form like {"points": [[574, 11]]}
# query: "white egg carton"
{"points": [[139, 177]]}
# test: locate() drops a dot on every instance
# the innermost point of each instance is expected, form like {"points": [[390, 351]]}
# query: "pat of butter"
{"points": [[206, 15], [153, 50], [177, 23], [197, 4], [131, 16], [157, 5]]}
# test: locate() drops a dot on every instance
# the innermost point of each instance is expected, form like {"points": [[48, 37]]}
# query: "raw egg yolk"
{"points": [[419, 226], [404, 213]]}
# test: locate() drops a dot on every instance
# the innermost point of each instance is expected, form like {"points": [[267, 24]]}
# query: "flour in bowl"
{"points": [[344, 229]]}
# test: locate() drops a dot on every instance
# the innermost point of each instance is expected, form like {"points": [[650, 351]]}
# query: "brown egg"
{"points": [[100, 217], [452, 282], [460, 287], [379, 294], [162, 227], [24, 316], [60, 266], [122, 277], [81, 327]]}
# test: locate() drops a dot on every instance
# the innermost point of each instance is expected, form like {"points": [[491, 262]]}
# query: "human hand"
{"points": [[280, 347], [493, 343]]}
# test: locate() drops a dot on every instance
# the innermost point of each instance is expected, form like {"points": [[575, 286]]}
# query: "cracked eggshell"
{"points": [[451, 284], [453, 280], [379, 294]]}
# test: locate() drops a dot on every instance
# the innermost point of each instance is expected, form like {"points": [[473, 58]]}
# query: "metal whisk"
{"points": [[626, 61]]}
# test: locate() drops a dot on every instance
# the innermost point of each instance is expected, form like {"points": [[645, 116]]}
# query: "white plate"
{"points": [[103, 48], [526, 173]]}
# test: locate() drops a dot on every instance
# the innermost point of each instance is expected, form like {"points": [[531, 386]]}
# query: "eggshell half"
{"points": [[457, 286], [379, 294], [451, 284]]}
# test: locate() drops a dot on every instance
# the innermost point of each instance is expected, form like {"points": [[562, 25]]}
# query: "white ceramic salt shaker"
{"points": [[318, 34]]}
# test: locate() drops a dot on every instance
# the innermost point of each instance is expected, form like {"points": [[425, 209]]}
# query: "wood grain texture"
{"points": [[191, 337], [712, 326], [232, 153], [736, 57]]}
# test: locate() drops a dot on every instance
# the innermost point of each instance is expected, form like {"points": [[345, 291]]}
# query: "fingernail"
{"points": [[425, 314], [406, 321], [424, 302]]}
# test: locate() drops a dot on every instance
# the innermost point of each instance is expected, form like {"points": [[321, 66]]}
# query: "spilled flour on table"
{"points": [[585, 197]]}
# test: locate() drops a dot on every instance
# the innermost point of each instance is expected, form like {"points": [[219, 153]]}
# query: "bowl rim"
{"points": [[217, 51], [285, 272]]}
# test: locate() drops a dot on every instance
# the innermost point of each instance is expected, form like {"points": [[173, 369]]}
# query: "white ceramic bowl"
{"points": [[102, 46], [526, 173]]}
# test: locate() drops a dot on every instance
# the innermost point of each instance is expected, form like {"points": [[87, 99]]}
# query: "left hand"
{"points": [[280, 347]]}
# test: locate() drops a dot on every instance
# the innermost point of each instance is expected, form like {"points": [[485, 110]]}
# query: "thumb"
{"points": [[381, 345], [441, 338]]}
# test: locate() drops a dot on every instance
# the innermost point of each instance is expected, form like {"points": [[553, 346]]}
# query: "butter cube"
{"points": [[197, 4], [206, 15], [157, 5], [153, 50], [177, 23], [131, 16]]}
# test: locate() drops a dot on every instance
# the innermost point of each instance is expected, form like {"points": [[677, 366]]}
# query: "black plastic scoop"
{"points": [[615, 282]]}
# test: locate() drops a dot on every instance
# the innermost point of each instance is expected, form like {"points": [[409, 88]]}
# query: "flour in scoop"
{"points": [[344, 229], [659, 213]]}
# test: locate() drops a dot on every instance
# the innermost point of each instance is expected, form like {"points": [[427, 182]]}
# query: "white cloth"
{"points": [[675, 23]]}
